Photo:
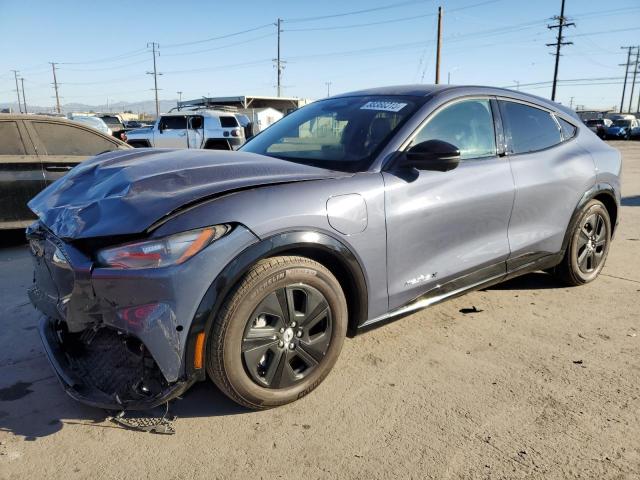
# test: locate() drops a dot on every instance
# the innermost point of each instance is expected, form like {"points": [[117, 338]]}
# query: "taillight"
{"points": [[123, 136], [235, 133]]}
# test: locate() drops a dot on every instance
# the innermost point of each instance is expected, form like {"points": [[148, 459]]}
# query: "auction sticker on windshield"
{"points": [[384, 106]]}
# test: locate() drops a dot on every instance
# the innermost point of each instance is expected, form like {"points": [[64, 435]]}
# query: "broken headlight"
{"points": [[161, 252]]}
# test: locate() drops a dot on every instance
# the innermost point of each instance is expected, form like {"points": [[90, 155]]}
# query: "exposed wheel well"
{"points": [[610, 204], [356, 299]]}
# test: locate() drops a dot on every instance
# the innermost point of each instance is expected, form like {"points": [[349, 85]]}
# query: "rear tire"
{"points": [[279, 333], [588, 246]]}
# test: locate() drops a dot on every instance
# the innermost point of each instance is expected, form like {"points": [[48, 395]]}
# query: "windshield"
{"points": [[594, 123], [111, 120], [339, 133], [622, 123]]}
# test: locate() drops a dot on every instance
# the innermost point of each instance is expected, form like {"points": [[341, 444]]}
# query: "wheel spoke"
{"points": [[317, 347], [272, 307], [582, 258], [275, 368], [583, 239], [601, 232], [320, 310], [307, 358], [258, 342], [283, 301]]}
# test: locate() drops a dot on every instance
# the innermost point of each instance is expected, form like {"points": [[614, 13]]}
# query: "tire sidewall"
{"points": [[592, 207], [239, 380]]}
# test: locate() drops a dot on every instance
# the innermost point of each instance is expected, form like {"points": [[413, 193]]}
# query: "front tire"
{"points": [[588, 246], [279, 333]]}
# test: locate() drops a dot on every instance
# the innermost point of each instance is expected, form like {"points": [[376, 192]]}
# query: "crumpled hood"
{"points": [[121, 193]]}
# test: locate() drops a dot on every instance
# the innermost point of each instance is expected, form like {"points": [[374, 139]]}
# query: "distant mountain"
{"points": [[148, 107]]}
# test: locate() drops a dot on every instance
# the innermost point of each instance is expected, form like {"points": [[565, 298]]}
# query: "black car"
{"points": [[34, 152]]}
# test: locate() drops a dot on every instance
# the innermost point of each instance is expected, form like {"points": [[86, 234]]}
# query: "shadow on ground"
{"points": [[44, 409], [531, 281]]}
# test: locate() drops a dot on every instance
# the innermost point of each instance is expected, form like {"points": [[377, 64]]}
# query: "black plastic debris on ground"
{"points": [[473, 309], [146, 422]]}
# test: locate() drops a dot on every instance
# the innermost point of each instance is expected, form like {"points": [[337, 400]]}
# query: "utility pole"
{"points": [[633, 82], [55, 86], [571, 102], [439, 45], [179, 98], [626, 74], [24, 99], [328, 84], [15, 75], [517, 82], [155, 74], [278, 59], [562, 22]]}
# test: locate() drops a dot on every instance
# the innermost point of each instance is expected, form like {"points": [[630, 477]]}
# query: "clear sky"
{"points": [[102, 54]]}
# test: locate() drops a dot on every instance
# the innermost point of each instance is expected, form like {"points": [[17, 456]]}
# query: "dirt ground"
{"points": [[543, 382]]}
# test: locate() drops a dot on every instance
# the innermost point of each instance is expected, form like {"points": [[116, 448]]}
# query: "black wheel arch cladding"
{"points": [[319, 246]]}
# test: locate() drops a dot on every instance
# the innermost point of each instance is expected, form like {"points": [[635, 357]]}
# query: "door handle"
{"points": [[182, 134], [58, 168]]}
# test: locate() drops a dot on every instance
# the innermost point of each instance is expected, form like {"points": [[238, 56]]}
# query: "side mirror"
{"points": [[432, 155], [160, 129]]}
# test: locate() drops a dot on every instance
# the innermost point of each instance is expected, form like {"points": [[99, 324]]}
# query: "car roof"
{"points": [[63, 120], [210, 113], [431, 90]]}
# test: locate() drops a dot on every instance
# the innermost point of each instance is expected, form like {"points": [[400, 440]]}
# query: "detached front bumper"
{"points": [[108, 375]]}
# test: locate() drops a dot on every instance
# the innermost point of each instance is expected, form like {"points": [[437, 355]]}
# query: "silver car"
{"points": [[157, 268]]}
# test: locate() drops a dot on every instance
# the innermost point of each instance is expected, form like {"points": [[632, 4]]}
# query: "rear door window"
{"points": [[60, 139], [528, 129], [10, 139], [173, 122]]}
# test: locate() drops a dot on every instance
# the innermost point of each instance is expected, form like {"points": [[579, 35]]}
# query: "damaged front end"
{"points": [[117, 337], [94, 347]]}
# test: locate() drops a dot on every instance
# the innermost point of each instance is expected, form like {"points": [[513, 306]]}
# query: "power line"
{"points": [[354, 12], [562, 22], [220, 37]]}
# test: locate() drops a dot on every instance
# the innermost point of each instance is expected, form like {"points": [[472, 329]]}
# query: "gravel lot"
{"points": [[544, 382]]}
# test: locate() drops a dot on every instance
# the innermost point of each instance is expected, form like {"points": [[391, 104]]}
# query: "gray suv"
{"points": [[157, 268]]}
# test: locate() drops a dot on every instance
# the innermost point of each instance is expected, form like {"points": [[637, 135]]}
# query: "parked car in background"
{"points": [[210, 129], [159, 268], [37, 150], [115, 124], [131, 124], [93, 122], [624, 127], [599, 126]]}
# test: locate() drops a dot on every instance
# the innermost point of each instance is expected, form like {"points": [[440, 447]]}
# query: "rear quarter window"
{"points": [[59, 139], [568, 130], [529, 129], [228, 122]]}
